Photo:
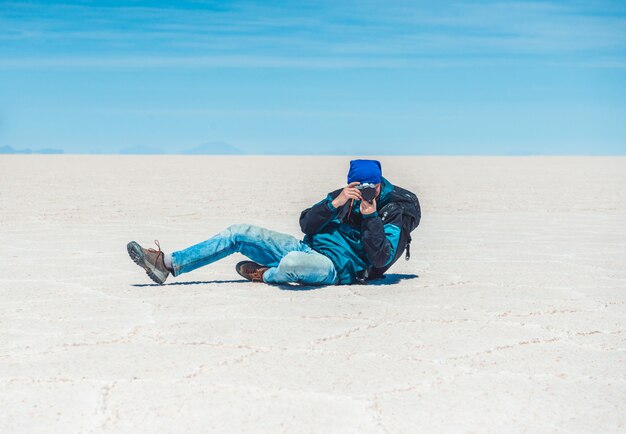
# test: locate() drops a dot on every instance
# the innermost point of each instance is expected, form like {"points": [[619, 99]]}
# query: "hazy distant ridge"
{"points": [[211, 148], [11, 150]]}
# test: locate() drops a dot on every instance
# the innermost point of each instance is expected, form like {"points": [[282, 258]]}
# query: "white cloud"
{"points": [[335, 34]]}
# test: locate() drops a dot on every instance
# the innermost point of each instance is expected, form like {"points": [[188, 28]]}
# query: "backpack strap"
{"points": [[362, 277], [408, 248]]}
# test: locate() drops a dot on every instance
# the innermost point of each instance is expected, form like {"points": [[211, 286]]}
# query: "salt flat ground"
{"points": [[509, 317]]}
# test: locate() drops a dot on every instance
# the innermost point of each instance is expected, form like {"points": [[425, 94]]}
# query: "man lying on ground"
{"points": [[353, 235]]}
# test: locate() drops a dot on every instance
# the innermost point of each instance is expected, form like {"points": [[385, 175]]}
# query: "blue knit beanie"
{"points": [[365, 171]]}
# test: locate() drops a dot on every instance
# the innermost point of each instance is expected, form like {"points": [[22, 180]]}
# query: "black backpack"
{"points": [[411, 215]]}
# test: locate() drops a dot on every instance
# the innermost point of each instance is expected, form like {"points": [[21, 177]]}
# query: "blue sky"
{"points": [[337, 77]]}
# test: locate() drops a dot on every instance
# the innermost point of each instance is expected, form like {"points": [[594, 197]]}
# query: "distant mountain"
{"points": [[213, 148], [142, 150], [11, 150]]}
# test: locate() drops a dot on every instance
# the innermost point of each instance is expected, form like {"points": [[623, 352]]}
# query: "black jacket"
{"points": [[361, 247]]}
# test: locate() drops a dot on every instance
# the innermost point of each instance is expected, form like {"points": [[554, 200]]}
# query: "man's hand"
{"points": [[368, 208], [349, 192]]}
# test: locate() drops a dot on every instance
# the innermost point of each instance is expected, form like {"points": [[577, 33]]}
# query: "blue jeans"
{"points": [[289, 259]]}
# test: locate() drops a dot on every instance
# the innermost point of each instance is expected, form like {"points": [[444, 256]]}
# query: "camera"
{"points": [[368, 191]]}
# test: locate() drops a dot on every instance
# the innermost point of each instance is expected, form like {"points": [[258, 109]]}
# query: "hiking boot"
{"points": [[251, 270], [150, 260]]}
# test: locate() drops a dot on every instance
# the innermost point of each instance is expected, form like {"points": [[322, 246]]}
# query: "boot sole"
{"points": [[136, 254]]}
